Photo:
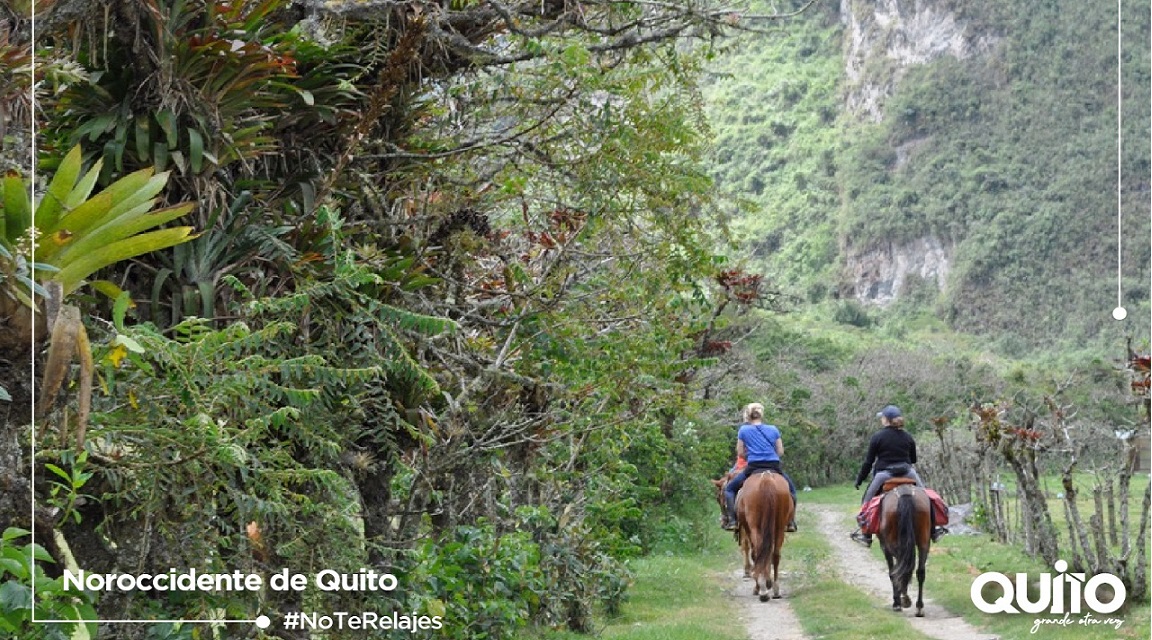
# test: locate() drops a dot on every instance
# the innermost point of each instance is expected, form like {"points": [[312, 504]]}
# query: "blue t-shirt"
{"points": [[760, 441]]}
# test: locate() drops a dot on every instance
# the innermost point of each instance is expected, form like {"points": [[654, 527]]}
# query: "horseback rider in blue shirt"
{"points": [[762, 446]]}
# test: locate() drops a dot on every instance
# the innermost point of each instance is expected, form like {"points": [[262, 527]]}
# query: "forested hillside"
{"points": [[973, 143], [444, 290]]}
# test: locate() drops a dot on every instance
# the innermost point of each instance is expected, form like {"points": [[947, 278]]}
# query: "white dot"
{"points": [[1060, 566], [1119, 313], [263, 622]]}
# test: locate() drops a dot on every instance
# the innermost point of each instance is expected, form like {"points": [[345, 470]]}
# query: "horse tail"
{"points": [[905, 559], [767, 522]]}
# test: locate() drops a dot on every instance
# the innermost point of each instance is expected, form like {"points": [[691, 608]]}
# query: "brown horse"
{"points": [[905, 528], [763, 509], [720, 484]]}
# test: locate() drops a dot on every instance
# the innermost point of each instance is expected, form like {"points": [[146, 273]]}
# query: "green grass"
{"points": [[676, 595], [828, 608], [957, 560]]}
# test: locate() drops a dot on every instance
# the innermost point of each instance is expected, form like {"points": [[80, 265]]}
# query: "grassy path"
{"points": [[696, 592]]}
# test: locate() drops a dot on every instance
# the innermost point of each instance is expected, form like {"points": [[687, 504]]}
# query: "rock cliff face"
{"points": [[879, 273], [882, 40]]}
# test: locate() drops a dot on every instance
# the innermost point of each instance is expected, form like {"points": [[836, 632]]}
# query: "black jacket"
{"points": [[888, 446]]}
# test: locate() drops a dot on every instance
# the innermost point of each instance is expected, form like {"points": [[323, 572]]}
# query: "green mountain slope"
{"points": [[1006, 157]]}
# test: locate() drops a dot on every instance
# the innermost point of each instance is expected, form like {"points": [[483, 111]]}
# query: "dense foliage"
{"points": [[447, 293], [451, 304], [1007, 157]]}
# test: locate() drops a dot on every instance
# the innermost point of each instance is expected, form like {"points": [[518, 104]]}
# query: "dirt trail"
{"points": [[857, 566], [775, 620], [772, 620]]}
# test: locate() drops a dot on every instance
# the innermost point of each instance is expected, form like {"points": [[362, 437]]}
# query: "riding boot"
{"points": [[863, 538], [938, 532], [792, 523], [729, 522]]}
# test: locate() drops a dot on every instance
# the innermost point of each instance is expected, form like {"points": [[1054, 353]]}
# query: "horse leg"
{"points": [[776, 572], [920, 581], [905, 580], [759, 572], [764, 570], [763, 579], [892, 577], [745, 546]]}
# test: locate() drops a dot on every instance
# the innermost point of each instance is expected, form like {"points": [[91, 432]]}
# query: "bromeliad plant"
{"points": [[72, 235], [48, 253], [79, 235]]}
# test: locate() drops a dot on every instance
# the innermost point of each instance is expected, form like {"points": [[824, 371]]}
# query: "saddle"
{"points": [[869, 516], [895, 482]]}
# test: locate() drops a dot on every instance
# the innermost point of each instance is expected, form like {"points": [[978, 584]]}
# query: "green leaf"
{"points": [[12, 566], [128, 343], [195, 150], [83, 189], [128, 224], [143, 137], [72, 275], [58, 471], [15, 596], [167, 121], [11, 533], [119, 309], [52, 204], [17, 208], [576, 56], [93, 210], [95, 127], [39, 553], [160, 155], [18, 561], [109, 289]]}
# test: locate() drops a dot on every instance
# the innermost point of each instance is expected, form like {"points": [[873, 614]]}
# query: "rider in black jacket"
{"points": [[891, 453]]}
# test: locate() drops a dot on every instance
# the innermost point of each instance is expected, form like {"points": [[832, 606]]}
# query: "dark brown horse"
{"points": [[763, 509], [905, 529]]}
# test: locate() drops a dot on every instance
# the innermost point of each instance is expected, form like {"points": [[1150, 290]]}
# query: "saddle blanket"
{"points": [[869, 516]]}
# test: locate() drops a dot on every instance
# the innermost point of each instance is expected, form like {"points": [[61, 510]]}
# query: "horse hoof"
{"points": [[906, 602], [764, 597], [919, 613], [897, 607], [776, 596]]}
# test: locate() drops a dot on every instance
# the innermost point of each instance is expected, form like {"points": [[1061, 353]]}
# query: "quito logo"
{"points": [[1060, 593]]}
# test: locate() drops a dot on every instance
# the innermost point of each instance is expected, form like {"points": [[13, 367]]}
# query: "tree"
{"points": [[487, 225]]}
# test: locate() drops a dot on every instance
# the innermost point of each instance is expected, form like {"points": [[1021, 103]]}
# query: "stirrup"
{"points": [[791, 528], [861, 538], [939, 532]]}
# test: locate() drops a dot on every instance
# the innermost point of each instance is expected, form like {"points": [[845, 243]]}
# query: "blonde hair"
{"points": [[754, 411]]}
